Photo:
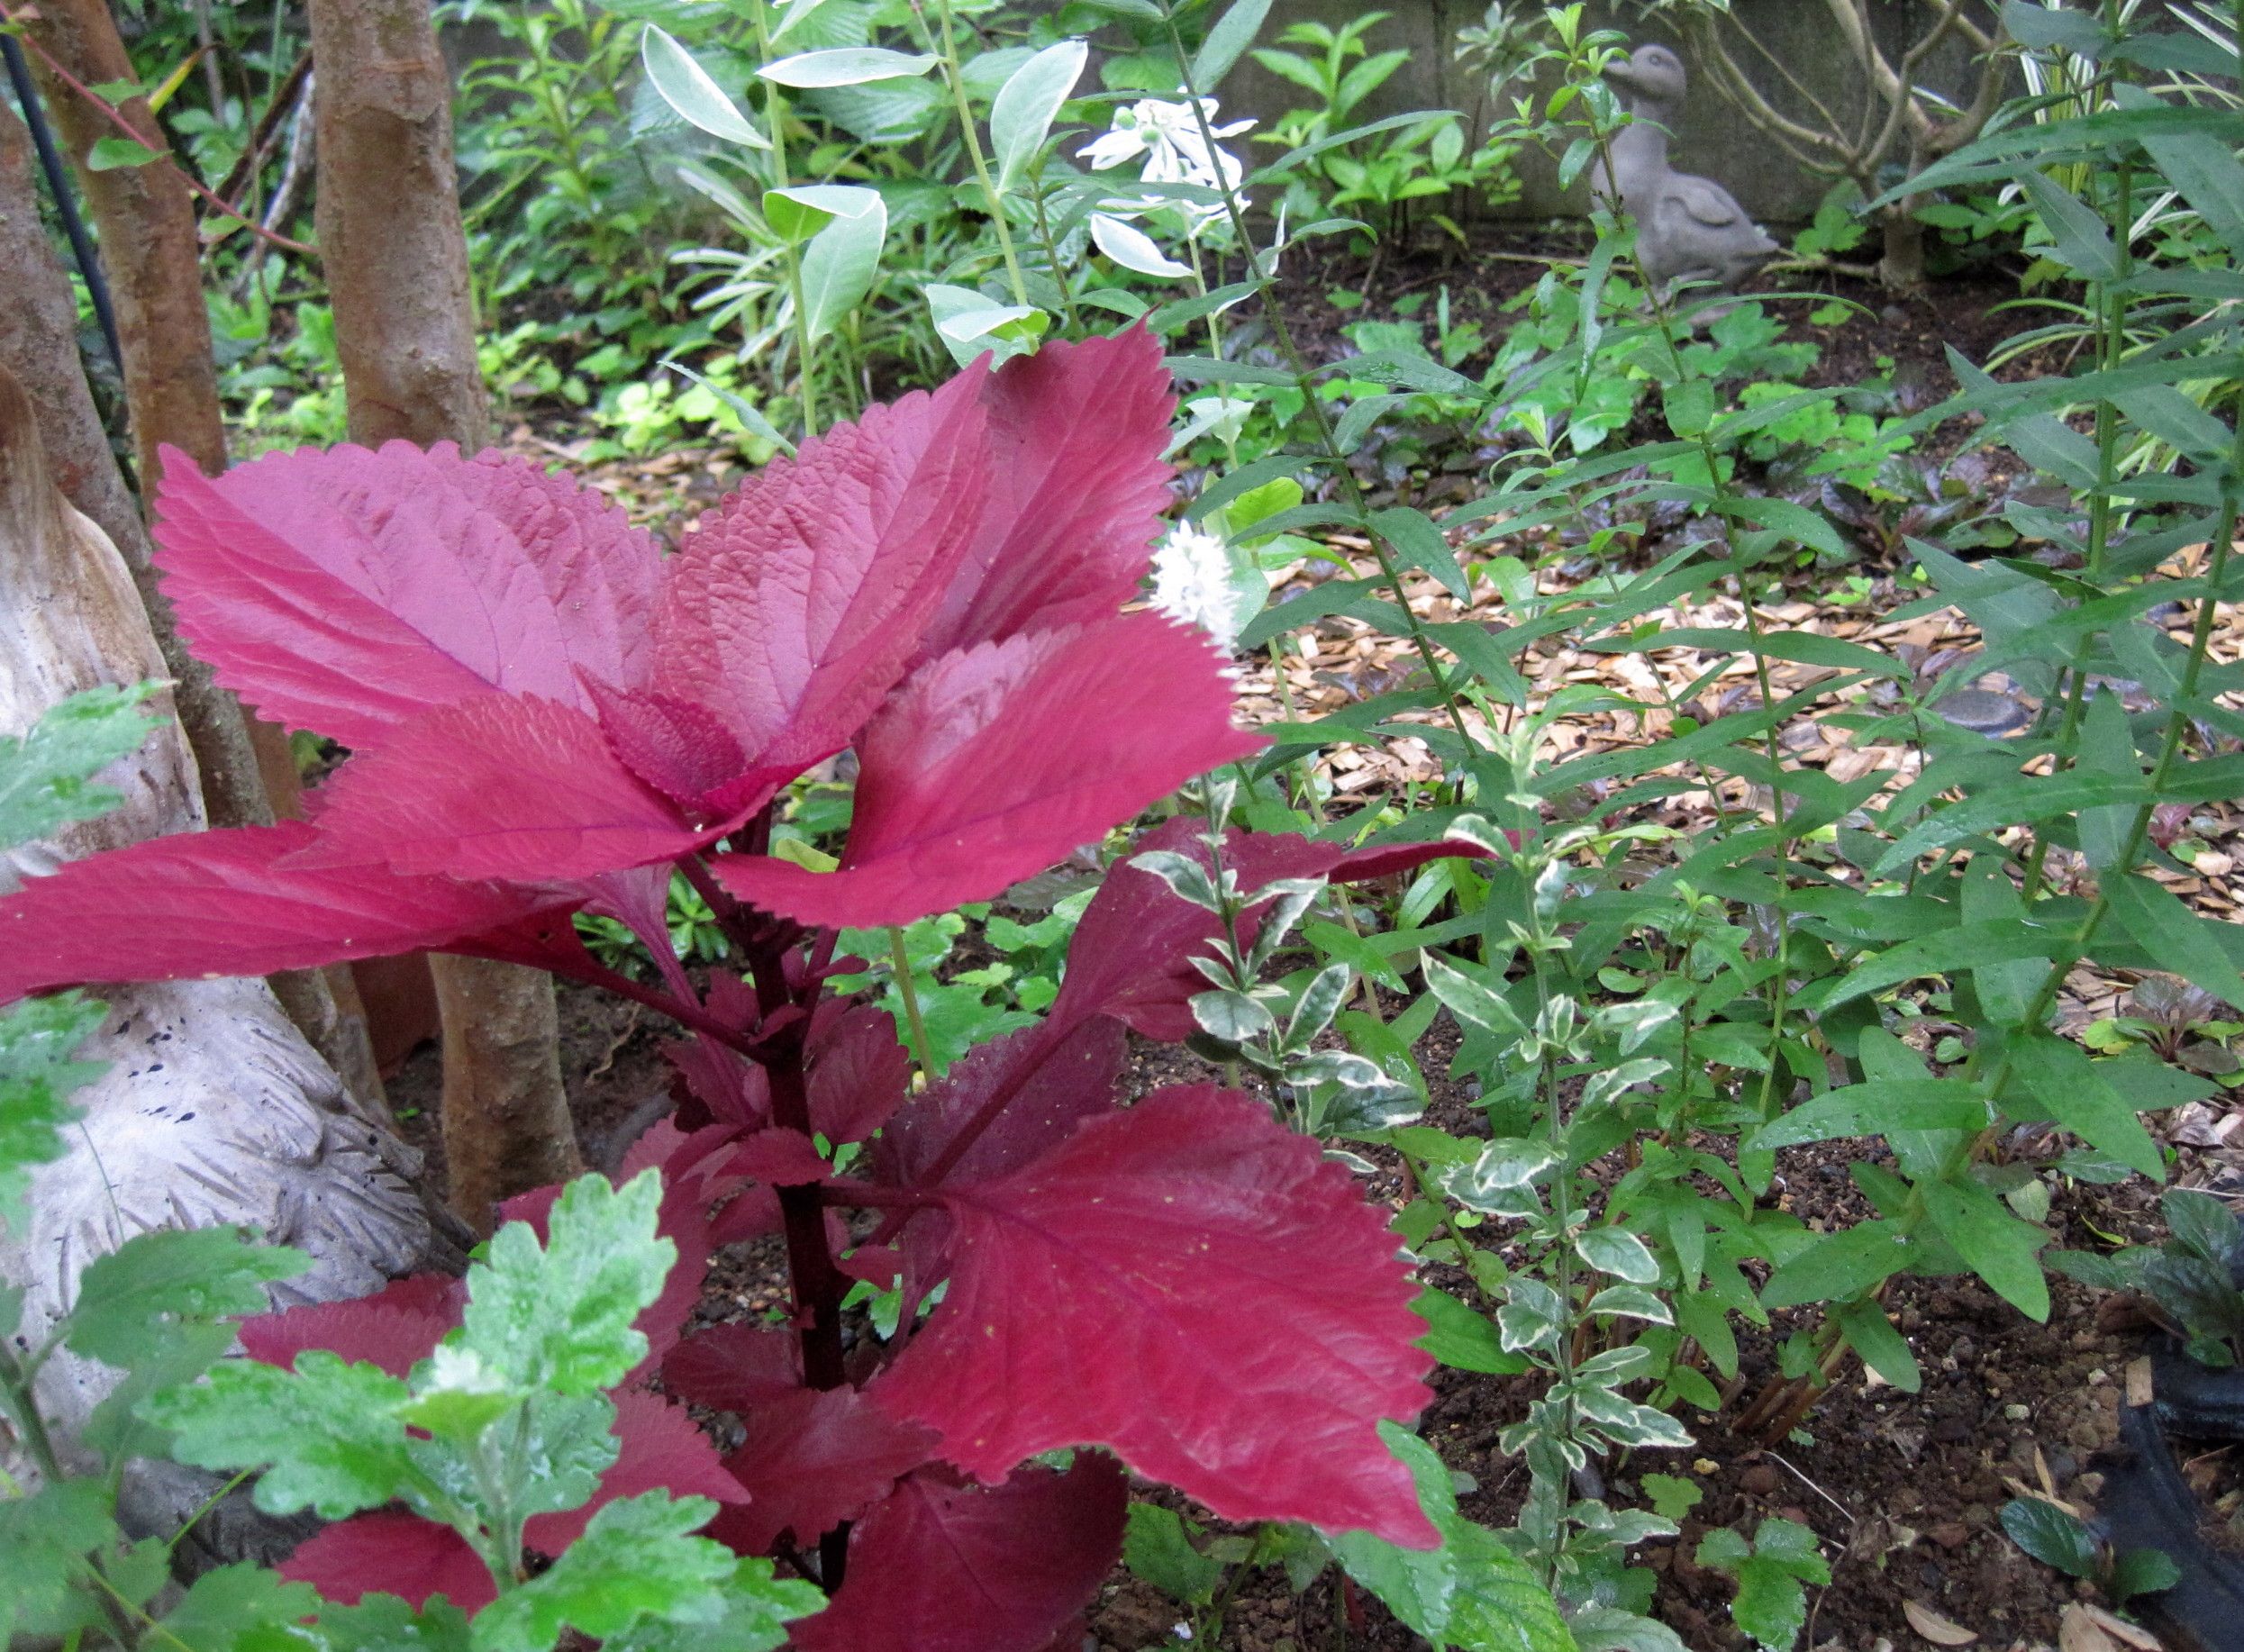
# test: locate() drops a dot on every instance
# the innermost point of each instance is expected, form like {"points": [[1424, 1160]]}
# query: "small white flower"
{"points": [[1192, 582]]}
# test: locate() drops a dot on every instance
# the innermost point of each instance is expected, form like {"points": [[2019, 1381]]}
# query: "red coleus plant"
{"points": [[547, 714]]}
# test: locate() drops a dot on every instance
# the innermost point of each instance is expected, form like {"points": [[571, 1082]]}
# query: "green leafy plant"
{"points": [[2190, 1281], [505, 1426], [2058, 1537], [1772, 1571]]}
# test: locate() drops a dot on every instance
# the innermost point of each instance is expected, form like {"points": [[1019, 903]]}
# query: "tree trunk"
{"points": [[152, 256], [1901, 267], [39, 344], [397, 259], [149, 247]]}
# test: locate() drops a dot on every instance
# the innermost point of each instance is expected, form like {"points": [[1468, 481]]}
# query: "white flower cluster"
{"points": [[1169, 137], [1192, 582]]}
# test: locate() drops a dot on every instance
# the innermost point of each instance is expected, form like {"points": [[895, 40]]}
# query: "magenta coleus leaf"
{"points": [[514, 787], [810, 1461], [1047, 1080], [859, 1073], [345, 591], [736, 1367], [394, 1328], [391, 1552], [794, 607], [992, 763], [937, 1566], [1194, 1286], [238, 902], [1077, 487]]}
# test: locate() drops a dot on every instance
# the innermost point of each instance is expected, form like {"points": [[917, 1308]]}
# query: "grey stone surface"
{"points": [[1713, 139]]}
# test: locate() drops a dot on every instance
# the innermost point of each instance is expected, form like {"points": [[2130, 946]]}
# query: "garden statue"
{"points": [[212, 1110], [1687, 228]]}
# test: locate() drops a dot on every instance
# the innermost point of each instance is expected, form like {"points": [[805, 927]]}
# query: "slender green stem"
{"points": [[949, 53], [1298, 364], [775, 118], [2111, 344], [1772, 748], [1051, 258], [900, 963]]}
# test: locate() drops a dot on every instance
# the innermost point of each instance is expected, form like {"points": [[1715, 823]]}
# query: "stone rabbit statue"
{"points": [[1687, 228]]}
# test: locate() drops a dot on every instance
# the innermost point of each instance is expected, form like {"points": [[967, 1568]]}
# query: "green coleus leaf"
{"points": [[756, 1609], [37, 1079], [637, 1559], [560, 1317], [46, 776], [222, 1604], [328, 1434], [131, 1299], [44, 1535]]}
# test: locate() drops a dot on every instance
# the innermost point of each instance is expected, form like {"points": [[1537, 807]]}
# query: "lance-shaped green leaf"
{"points": [[1882, 1349], [681, 82], [1496, 1181], [1840, 1265], [1608, 1083], [1227, 42], [2053, 1078], [2177, 937], [846, 65], [1022, 114], [1469, 1001], [1875, 1109], [2001, 1249], [843, 259], [1618, 1252]]}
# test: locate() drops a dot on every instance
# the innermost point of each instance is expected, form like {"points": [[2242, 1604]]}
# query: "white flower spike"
{"points": [[1192, 582]]}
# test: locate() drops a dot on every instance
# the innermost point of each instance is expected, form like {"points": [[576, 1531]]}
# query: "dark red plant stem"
{"points": [[722, 906], [685, 1014], [818, 1283]]}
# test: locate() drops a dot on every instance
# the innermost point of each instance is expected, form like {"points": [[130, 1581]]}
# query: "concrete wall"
{"points": [[1713, 140]]}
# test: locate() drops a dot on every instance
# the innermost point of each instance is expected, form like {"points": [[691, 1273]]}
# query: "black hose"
{"points": [[66, 203]]}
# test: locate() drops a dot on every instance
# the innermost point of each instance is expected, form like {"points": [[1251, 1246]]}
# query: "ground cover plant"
{"points": [[1700, 980]]}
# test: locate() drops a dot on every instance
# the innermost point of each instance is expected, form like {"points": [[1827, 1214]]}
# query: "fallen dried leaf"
{"points": [[2121, 1629], [2077, 1631], [1941, 1631]]}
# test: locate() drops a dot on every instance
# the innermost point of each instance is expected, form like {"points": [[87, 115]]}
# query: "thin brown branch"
{"points": [[267, 131], [155, 144]]}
